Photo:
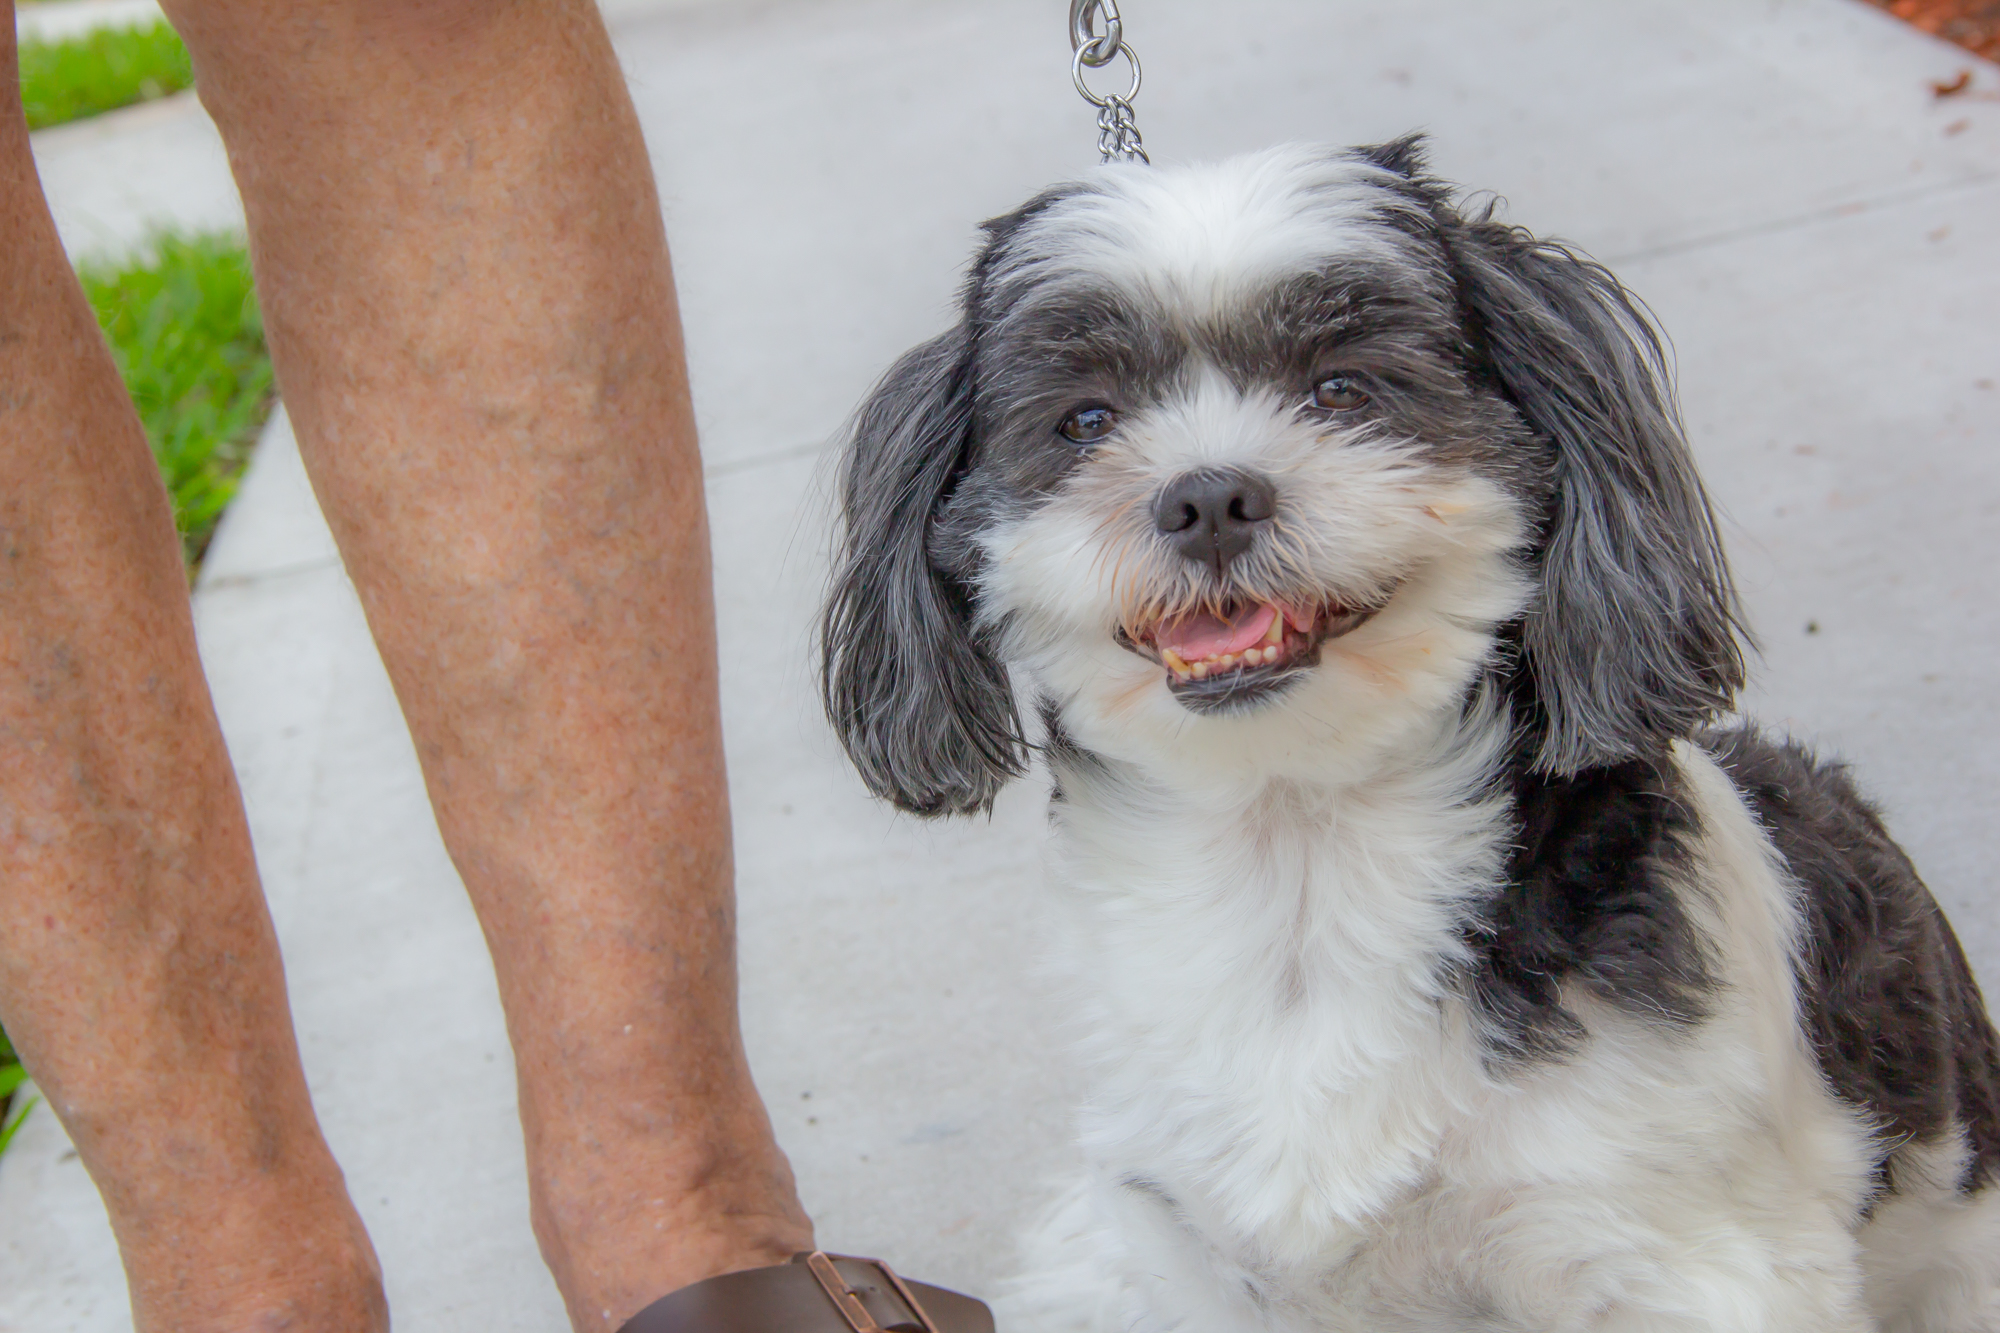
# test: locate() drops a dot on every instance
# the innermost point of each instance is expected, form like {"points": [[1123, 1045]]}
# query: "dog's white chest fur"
{"points": [[1276, 1044], [1293, 1123]]}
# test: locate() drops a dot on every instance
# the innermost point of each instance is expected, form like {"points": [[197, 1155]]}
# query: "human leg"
{"points": [[466, 286], [139, 976]]}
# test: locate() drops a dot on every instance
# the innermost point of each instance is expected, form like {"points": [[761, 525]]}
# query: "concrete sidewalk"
{"points": [[1814, 228]]}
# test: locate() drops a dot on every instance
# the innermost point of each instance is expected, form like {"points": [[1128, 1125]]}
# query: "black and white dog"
{"points": [[1438, 967]]}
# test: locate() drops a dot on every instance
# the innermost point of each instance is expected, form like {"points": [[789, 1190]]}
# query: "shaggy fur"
{"points": [[1435, 966]]}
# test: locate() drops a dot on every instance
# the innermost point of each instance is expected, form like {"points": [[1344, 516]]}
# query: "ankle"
{"points": [[314, 1272], [616, 1243], [213, 1239]]}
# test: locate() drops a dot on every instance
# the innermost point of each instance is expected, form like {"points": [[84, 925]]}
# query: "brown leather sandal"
{"points": [[814, 1293]]}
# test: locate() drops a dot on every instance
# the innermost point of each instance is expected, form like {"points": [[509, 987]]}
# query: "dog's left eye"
{"points": [[1338, 393], [1087, 425]]}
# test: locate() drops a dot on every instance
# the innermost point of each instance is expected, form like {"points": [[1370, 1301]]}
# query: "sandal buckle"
{"points": [[846, 1298]]}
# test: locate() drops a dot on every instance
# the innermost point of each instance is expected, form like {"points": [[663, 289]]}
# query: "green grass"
{"points": [[12, 1076], [185, 331], [100, 71]]}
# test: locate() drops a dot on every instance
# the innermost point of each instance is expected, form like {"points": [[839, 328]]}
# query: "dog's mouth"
{"points": [[1242, 650]]}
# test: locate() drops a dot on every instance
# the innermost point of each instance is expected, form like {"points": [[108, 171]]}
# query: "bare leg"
{"points": [[138, 972], [459, 251]]}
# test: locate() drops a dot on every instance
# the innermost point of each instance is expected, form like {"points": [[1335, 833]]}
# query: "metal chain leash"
{"points": [[1117, 127]]}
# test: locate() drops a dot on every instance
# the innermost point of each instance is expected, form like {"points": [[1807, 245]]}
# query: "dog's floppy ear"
{"points": [[1633, 639], [922, 706]]}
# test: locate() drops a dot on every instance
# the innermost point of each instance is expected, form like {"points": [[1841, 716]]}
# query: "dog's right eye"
{"points": [[1087, 425], [1338, 393]]}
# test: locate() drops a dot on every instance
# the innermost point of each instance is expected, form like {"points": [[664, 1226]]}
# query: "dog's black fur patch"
{"points": [[1592, 896], [1892, 1009]]}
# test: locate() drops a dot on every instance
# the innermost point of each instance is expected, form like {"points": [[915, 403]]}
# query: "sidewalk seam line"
{"points": [[784, 455], [1831, 213], [267, 575]]}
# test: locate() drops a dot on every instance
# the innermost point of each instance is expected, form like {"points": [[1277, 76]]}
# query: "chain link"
{"points": [[1118, 133], [1117, 126]]}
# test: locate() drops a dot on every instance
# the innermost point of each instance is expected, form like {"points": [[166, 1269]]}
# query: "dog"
{"points": [[1441, 956]]}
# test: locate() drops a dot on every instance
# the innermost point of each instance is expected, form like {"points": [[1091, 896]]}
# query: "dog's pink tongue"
{"points": [[1194, 637]]}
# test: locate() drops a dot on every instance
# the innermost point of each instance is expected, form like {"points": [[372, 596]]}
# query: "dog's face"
{"points": [[1255, 465], [1228, 459]]}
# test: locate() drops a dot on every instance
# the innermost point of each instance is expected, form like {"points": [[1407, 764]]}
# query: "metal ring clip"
{"points": [[1076, 71], [1103, 47]]}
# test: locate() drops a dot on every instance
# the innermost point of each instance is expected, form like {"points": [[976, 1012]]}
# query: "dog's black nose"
{"points": [[1211, 516]]}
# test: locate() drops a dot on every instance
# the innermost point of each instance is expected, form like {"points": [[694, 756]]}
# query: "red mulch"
{"points": [[1973, 24]]}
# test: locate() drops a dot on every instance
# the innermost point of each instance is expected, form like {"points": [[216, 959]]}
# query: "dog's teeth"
{"points": [[1264, 652]]}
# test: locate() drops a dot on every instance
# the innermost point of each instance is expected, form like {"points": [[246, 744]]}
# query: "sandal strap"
{"points": [[816, 1292]]}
